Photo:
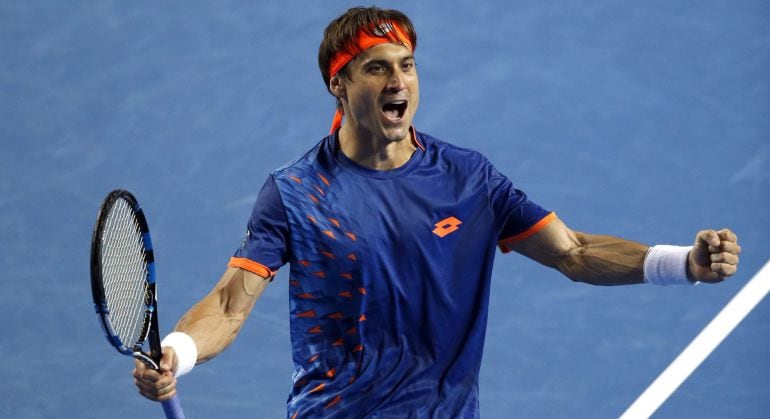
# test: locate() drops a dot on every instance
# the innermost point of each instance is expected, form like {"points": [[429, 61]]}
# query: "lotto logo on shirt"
{"points": [[446, 226]]}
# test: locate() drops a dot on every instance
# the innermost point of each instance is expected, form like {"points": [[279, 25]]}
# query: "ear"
{"points": [[337, 87]]}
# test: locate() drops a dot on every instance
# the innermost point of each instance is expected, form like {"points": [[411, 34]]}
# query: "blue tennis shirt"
{"points": [[390, 275]]}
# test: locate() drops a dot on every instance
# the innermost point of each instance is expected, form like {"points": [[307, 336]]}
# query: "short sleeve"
{"points": [[264, 248], [516, 216]]}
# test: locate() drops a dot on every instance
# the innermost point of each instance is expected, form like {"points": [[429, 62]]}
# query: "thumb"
{"points": [[168, 361]]}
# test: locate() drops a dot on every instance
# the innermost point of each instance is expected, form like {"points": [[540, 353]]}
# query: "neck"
{"points": [[375, 152]]}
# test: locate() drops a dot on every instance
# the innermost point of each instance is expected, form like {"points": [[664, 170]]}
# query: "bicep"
{"points": [[550, 245]]}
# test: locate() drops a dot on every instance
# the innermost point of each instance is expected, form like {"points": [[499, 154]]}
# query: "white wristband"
{"points": [[185, 349], [667, 265]]}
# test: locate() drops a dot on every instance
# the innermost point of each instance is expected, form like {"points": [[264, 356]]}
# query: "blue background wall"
{"points": [[646, 120]]}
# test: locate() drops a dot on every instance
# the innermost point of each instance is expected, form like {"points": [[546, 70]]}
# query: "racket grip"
{"points": [[173, 409]]}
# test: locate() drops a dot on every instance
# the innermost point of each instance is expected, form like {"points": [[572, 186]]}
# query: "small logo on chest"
{"points": [[447, 226]]}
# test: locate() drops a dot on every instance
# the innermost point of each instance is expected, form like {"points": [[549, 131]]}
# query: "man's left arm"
{"points": [[606, 260]]}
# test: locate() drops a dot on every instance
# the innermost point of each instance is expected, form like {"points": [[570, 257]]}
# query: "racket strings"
{"points": [[124, 273]]}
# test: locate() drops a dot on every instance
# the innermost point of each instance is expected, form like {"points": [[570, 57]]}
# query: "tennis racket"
{"points": [[123, 283]]}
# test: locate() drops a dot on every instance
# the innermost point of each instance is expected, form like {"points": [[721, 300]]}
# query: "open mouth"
{"points": [[394, 110]]}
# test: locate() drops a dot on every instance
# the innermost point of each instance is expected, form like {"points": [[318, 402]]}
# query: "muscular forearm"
{"points": [[606, 260], [591, 258], [212, 330], [603, 260], [215, 321]]}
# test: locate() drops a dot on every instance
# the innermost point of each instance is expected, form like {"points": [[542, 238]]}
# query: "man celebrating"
{"points": [[391, 235]]}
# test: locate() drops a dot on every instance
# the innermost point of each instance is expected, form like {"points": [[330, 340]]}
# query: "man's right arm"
{"points": [[212, 323], [215, 321]]}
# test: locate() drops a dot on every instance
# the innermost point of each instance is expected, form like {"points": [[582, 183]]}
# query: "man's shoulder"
{"points": [[446, 150]]}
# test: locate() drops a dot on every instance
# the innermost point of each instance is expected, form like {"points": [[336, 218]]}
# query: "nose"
{"points": [[397, 81]]}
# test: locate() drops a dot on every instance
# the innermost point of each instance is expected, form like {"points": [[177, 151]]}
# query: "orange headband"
{"points": [[386, 31]]}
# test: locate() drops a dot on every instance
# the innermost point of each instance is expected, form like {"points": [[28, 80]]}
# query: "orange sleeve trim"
{"points": [[527, 233], [252, 267]]}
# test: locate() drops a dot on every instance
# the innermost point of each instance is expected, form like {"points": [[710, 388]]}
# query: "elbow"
{"points": [[571, 264], [568, 257], [571, 270], [227, 306]]}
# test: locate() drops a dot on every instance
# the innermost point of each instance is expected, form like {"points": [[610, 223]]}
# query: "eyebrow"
{"points": [[384, 61]]}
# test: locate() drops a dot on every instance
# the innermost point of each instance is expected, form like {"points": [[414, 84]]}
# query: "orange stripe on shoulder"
{"points": [[251, 266], [527, 233]]}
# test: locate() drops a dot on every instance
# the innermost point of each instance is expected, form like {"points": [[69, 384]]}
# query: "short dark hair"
{"points": [[342, 32]]}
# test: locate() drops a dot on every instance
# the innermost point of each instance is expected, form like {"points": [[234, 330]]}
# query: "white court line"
{"points": [[700, 348]]}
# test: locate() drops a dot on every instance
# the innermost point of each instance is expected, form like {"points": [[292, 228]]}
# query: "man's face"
{"points": [[382, 92]]}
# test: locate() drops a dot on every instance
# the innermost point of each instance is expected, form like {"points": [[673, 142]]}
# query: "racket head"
{"points": [[123, 277]]}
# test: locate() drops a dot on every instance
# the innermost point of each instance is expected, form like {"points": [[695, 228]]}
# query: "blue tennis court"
{"points": [[645, 120]]}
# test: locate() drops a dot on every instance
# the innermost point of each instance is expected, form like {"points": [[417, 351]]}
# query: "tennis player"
{"points": [[390, 235]]}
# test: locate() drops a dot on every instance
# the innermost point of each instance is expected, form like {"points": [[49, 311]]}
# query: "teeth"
{"points": [[395, 109]]}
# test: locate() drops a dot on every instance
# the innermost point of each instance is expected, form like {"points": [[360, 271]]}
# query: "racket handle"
{"points": [[173, 409]]}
